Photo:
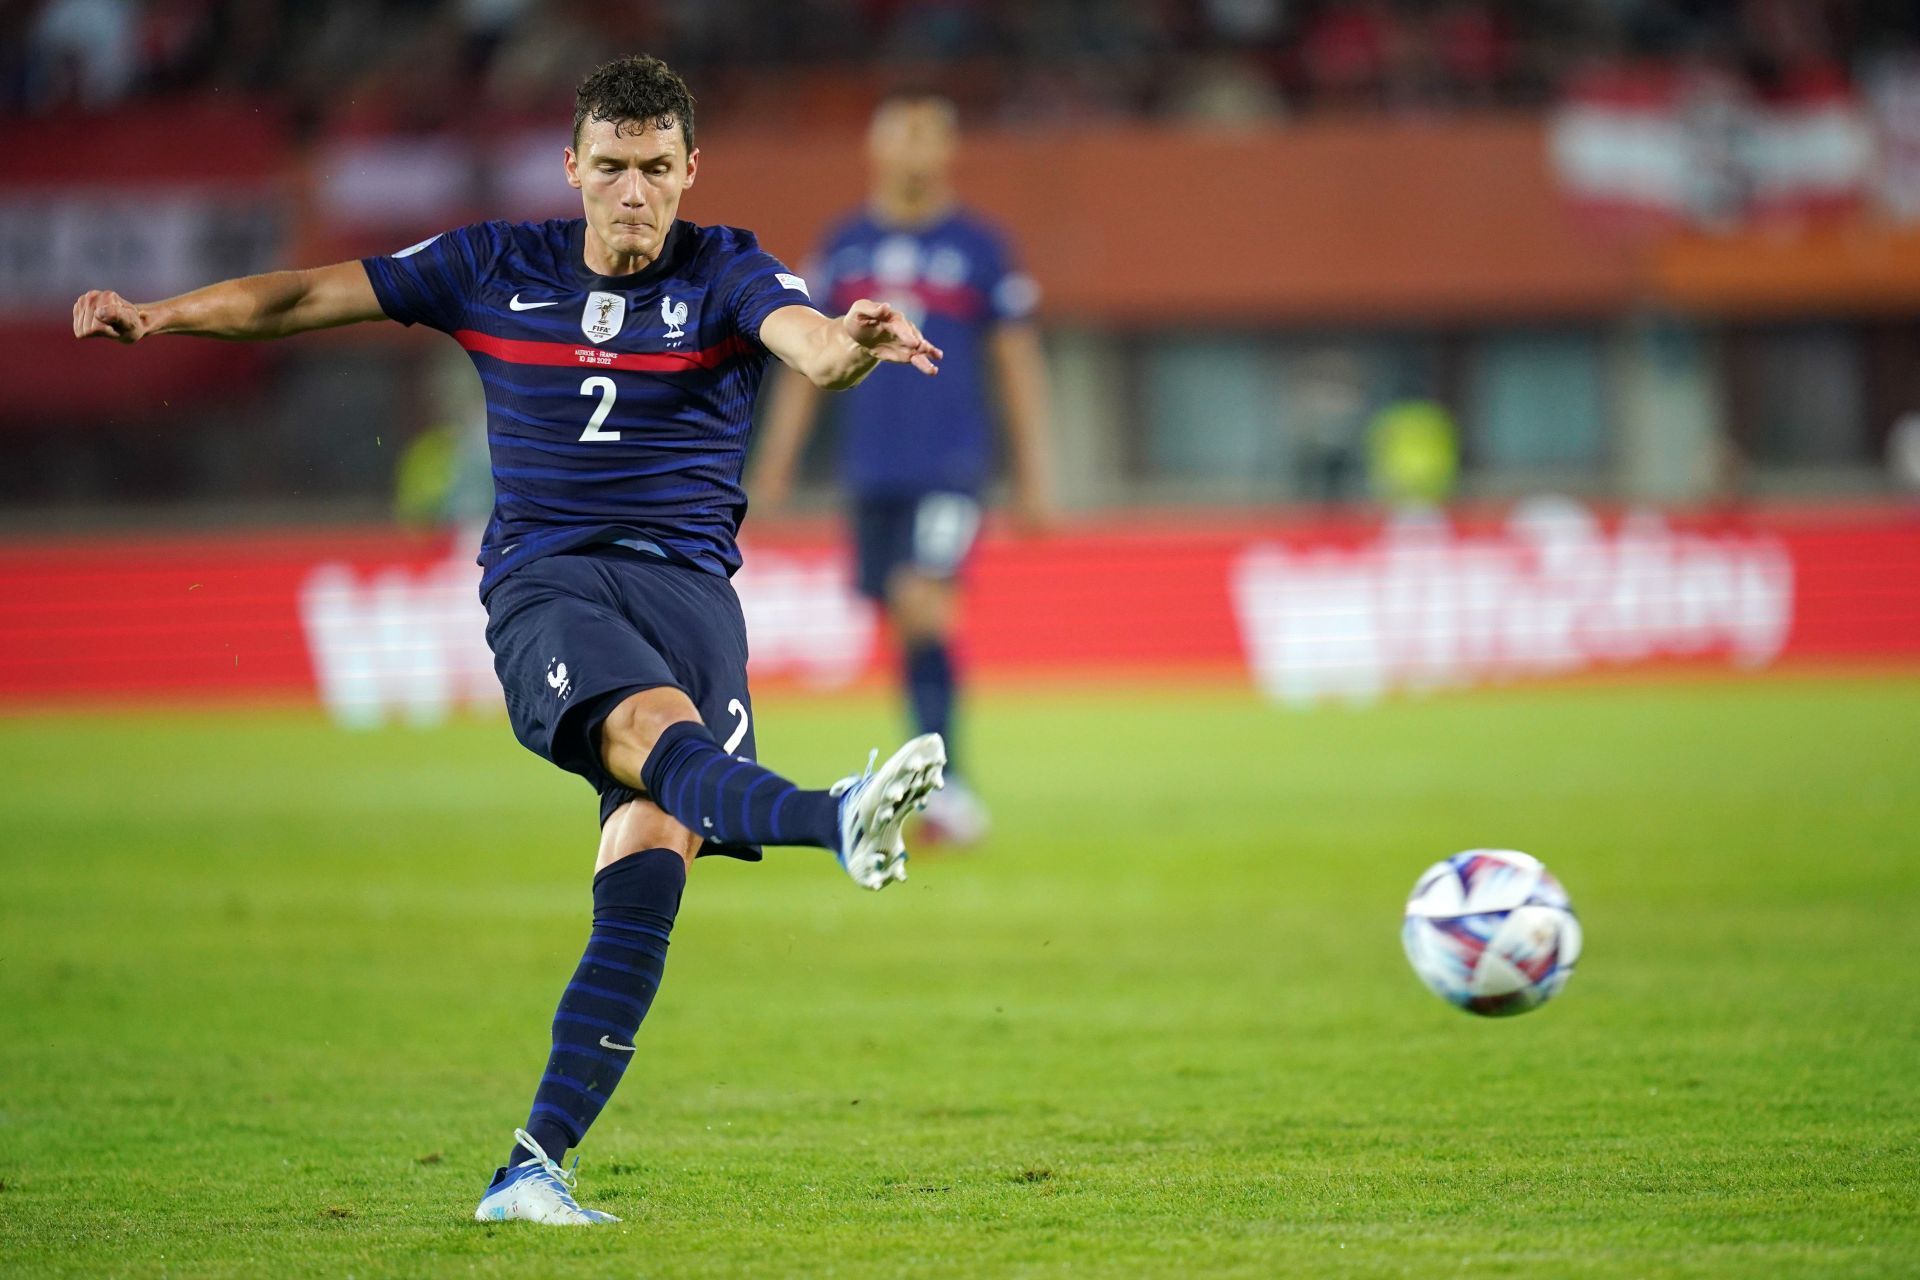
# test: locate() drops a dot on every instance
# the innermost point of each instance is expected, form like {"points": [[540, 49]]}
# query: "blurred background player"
{"points": [[916, 455]]}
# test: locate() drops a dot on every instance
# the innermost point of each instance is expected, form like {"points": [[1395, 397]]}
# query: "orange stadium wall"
{"points": [[1157, 225], [1326, 222], [1145, 226], [1141, 225], [380, 624]]}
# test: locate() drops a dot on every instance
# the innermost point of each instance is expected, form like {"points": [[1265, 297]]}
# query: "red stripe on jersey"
{"points": [[521, 351]]}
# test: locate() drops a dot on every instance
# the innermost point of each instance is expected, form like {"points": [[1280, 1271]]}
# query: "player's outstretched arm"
{"points": [[836, 352], [273, 305]]}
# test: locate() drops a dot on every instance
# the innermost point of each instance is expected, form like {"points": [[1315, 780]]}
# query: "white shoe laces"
{"points": [[567, 1178], [847, 784]]}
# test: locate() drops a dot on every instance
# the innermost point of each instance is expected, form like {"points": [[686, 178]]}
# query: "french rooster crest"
{"points": [[675, 314]]}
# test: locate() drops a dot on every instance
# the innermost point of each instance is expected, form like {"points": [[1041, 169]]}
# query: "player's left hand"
{"points": [[102, 313], [890, 336]]}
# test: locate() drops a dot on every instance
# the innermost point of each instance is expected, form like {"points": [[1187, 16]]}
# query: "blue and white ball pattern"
{"points": [[1491, 930]]}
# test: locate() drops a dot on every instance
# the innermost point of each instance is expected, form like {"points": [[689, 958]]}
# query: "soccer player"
{"points": [[915, 455], [621, 353]]}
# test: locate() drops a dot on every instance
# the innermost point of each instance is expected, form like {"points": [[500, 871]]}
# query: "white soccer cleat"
{"points": [[537, 1190], [875, 806], [954, 816]]}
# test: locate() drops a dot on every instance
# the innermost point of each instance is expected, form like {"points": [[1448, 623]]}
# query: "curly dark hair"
{"points": [[636, 89]]}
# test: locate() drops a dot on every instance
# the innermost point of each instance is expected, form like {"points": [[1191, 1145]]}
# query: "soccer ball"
{"points": [[1491, 930]]}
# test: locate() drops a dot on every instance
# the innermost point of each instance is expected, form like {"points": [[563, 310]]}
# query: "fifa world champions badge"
{"points": [[604, 315]]}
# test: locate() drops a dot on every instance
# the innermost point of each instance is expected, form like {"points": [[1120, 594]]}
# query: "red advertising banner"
{"points": [[381, 624]]}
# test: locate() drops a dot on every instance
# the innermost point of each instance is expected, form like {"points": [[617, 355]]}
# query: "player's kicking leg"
{"points": [[655, 741], [874, 806]]}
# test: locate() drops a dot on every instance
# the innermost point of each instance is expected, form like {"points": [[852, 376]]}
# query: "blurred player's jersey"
{"points": [[903, 436], [618, 408]]}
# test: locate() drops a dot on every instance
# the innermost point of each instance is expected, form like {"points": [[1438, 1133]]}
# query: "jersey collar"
{"points": [[679, 243]]}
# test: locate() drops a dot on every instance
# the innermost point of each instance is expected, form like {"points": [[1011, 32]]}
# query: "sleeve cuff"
{"points": [[383, 291], [756, 314]]}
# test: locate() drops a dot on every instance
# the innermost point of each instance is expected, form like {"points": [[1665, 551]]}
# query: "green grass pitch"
{"points": [[273, 996]]}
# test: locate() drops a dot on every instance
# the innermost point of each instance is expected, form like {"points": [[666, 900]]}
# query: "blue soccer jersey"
{"points": [[902, 435], [618, 407]]}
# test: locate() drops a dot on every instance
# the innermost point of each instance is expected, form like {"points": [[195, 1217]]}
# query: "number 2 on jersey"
{"points": [[608, 393], [735, 707]]}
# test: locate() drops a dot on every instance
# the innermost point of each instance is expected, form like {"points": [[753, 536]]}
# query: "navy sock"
{"points": [[734, 801], [634, 902], [930, 688]]}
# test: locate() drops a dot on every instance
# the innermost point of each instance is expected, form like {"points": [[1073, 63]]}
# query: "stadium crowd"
{"points": [[426, 64]]}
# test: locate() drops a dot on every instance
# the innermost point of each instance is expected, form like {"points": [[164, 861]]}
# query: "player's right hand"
{"points": [[102, 313], [890, 336]]}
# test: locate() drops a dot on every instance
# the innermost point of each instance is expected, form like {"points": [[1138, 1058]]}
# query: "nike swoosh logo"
{"points": [[610, 1044], [515, 304]]}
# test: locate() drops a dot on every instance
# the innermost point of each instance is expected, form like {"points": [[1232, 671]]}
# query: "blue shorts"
{"points": [[931, 534], [576, 634]]}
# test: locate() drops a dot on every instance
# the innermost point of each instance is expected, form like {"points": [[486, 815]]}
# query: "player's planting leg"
{"points": [[648, 741], [635, 900]]}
